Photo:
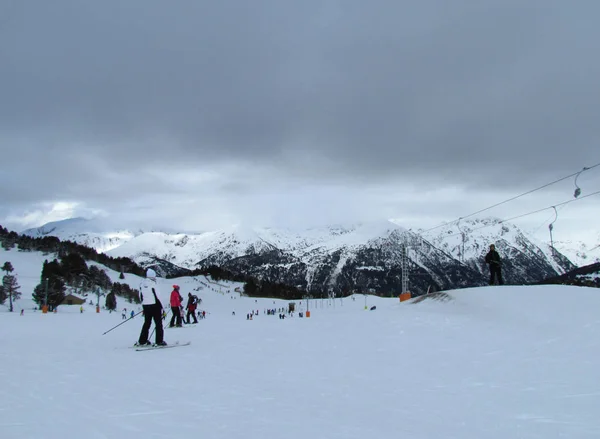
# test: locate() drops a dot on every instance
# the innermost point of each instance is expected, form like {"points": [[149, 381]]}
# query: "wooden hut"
{"points": [[71, 299]]}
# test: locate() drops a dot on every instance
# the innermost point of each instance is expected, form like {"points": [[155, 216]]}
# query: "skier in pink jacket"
{"points": [[176, 300]]}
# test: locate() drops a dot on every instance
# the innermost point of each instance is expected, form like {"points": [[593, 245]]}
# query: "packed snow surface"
{"points": [[495, 363]]}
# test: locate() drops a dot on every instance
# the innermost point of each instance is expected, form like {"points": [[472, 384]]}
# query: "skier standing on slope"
{"points": [[493, 260], [191, 307], [152, 305], [176, 300]]}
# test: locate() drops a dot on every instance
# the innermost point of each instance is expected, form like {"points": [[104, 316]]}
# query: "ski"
{"points": [[150, 348]]}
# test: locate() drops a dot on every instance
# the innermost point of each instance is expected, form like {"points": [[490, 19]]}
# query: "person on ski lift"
{"points": [[493, 260], [176, 300], [152, 306], [191, 307]]}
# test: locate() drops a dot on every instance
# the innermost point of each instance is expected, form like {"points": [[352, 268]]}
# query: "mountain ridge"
{"points": [[341, 258]]}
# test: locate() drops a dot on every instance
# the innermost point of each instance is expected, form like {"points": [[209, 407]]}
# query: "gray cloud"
{"points": [[105, 101]]}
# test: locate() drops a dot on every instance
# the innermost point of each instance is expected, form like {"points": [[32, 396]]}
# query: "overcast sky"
{"points": [[194, 114]]}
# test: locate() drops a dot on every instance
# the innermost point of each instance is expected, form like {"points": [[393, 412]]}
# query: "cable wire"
{"points": [[586, 168], [526, 214], [545, 223]]}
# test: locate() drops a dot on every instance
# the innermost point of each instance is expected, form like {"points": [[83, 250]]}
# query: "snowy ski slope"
{"points": [[494, 362]]}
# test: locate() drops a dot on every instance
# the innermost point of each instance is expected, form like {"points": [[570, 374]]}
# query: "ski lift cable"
{"points": [[548, 219], [551, 225], [577, 192], [564, 203], [550, 207], [587, 168]]}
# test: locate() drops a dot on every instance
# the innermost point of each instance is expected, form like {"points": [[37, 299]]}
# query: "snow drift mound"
{"points": [[553, 308], [440, 296]]}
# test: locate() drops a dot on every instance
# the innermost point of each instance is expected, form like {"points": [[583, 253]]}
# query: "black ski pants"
{"points": [[496, 272], [152, 312], [191, 312], [176, 317]]}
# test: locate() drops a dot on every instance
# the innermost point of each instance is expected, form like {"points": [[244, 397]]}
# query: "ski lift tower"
{"points": [[404, 263], [551, 227], [462, 236], [416, 242], [404, 268]]}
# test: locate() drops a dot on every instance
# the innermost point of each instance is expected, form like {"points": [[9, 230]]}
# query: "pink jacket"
{"points": [[176, 299]]}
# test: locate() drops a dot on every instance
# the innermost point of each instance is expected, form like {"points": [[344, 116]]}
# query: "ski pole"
{"points": [[124, 321], [152, 333]]}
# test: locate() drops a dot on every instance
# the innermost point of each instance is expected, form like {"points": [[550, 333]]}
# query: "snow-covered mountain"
{"points": [[351, 257], [580, 253], [469, 241], [217, 247], [479, 233], [91, 233]]}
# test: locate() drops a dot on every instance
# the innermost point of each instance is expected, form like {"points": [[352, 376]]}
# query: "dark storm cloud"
{"points": [[383, 85], [95, 96]]}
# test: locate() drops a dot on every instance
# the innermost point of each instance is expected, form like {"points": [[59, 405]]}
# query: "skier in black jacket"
{"points": [[493, 260], [191, 307]]}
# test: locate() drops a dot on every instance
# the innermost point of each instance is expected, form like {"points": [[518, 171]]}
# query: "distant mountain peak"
{"points": [[69, 223], [93, 233]]}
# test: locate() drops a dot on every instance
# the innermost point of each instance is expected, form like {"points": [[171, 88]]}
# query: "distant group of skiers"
{"points": [[153, 309], [271, 312], [176, 302], [124, 314]]}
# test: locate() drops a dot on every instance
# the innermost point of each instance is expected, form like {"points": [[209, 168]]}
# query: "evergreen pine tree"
{"points": [[56, 292], [251, 288], [111, 301], [73, 266], [9, 240], [50, 269], [10, 286], [39, 294], [8, 267]]}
